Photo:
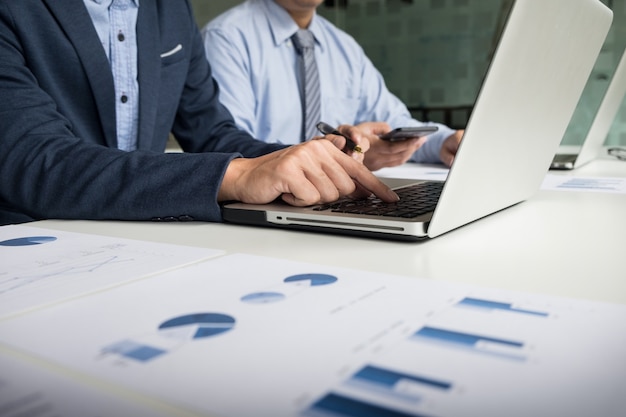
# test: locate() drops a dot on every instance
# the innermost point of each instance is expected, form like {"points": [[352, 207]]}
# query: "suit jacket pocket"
{"points": [[172, 55]]}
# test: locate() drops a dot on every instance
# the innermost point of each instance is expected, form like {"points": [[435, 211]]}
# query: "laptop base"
{"points": [[257, 218]]}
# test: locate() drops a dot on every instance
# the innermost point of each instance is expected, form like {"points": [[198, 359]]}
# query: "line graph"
{"points": [[10, 283]]}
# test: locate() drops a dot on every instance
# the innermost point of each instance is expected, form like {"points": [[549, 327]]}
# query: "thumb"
{"points": [[375, 128]]}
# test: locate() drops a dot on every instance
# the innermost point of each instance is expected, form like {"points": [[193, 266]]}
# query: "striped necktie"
{"points": [[309, 82]]}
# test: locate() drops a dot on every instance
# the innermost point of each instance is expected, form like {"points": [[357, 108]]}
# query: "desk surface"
{"points": [[558, 243]]}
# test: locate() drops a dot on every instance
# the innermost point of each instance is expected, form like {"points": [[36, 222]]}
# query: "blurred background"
{"points": [[434, 53]]}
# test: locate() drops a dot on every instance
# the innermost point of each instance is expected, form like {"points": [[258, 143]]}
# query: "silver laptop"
{"points": [[536, 77], [592, 145]]}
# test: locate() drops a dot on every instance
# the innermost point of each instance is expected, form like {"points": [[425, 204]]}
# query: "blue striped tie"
{"points": [[309, 82]]}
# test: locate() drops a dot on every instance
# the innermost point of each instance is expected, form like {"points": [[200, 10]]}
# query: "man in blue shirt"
{"points": [[255, 63], [90, 91]]}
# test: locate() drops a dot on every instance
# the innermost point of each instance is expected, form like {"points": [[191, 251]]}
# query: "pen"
{"points": [[329, 130]]}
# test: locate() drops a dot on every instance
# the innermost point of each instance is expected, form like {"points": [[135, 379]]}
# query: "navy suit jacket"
{"points": [[58, 155]]}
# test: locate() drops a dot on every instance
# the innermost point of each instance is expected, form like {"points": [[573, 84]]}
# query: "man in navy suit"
{"points": [[89, 93]]}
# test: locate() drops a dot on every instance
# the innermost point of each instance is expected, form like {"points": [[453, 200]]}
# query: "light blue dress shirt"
{"points": [[116, 21], [254, 63]]}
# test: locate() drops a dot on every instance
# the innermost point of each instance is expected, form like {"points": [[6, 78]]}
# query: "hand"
{"points": [[384, 153], [339, 137], [308, 173], [450, 147]]}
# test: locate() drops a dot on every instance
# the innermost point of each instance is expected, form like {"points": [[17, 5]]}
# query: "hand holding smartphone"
{"points": [[403, 133]]}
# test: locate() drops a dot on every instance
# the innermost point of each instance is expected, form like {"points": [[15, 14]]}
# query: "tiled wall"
{"points": [[431, 52], [207, 9], [434, 53]]}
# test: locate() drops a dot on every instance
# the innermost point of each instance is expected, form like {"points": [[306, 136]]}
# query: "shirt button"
{"points": [[124, 99], [120, 37]]}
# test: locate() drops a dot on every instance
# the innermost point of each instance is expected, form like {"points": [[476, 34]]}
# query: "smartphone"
{"points": [[403, 133]]}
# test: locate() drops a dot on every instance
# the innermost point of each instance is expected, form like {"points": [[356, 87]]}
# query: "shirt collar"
{"points": [[283, 27]]}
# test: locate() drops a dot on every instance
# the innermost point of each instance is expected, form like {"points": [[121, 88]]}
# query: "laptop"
{"points": [[592, 145], [535, 79]]}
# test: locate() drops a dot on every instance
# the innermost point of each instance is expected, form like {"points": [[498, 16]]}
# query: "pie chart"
{"points": [[263, 297], [28, 241], [197, 326], [312, 280]]}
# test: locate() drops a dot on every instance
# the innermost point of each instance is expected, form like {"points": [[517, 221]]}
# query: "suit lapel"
{"points": [[76, 23], [149, 71]]}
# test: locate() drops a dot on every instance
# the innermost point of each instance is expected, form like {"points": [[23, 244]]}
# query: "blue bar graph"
{"points": [[494, 305], [399, 385], [336, 404], [465, 339], [388, 378], [504, 348]]}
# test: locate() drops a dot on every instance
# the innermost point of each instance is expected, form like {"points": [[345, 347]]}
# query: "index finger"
{"points": [[364, 177]]}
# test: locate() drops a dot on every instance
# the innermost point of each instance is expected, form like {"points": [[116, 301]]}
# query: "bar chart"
{"points": [[419, 375], [488, 305], [498, 347], [297, 339], [338, 404], [394, 383]]}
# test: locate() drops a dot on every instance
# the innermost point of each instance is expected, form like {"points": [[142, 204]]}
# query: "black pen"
{"points": [[329, 130]]}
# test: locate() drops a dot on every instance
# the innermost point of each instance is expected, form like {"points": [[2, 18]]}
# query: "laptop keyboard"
{"points": [[415, 200]]}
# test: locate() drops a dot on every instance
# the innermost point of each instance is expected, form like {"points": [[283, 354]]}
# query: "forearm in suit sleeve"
{"points": [[55, 164]]}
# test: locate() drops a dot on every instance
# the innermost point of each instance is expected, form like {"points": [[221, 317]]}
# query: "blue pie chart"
{"points": [[199, 325], [28, 241], [313, 280], [263, 297]]}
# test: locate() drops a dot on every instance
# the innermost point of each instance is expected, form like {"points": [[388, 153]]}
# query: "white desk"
{"points": [[557, 243], [560, 243]]}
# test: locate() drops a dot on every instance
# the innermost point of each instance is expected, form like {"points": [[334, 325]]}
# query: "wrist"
{"points": [[228, 187]]}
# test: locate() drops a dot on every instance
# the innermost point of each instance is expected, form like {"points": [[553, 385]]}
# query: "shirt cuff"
{"points": [[429, 152]]}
